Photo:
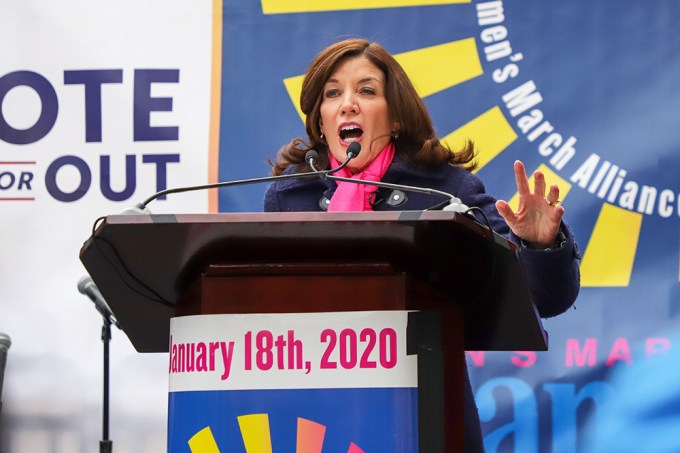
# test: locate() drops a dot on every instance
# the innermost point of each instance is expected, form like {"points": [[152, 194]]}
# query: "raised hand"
{"points": [[538, 217]]}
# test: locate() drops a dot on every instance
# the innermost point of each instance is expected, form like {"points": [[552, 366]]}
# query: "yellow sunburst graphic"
{"points": [[256, 435], [609, 256], [616, 232]]}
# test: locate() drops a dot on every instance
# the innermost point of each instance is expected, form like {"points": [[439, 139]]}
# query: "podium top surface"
{"points": [[143, 264]]}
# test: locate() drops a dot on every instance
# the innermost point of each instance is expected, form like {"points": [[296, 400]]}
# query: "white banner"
{"points": [[291, 351], [101, 105]]}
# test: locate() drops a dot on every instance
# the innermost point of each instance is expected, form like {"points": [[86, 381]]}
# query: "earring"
{"points": [[395, 135], [321, 135]]}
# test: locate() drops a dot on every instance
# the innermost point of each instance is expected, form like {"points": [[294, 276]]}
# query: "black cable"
{"points": [[154, 295]]}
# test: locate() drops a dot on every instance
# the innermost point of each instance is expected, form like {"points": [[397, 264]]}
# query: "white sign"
{"points": [[290, 351]]}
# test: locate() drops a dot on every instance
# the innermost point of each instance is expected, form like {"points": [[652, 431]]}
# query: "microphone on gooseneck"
{"points": [[353, 151], [87, 287], [5, 343], [140, 208], [311, 156]]}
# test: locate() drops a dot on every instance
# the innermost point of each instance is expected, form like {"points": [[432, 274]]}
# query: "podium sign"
{"points": [[290, 382]]}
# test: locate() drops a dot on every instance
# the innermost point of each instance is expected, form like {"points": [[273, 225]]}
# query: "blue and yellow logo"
{"points": [[257, 439]]}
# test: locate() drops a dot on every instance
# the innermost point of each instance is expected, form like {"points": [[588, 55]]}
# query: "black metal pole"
{"points": [[106, 445]]}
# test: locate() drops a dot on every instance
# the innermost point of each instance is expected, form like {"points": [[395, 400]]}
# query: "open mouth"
{"points": [[350, 133]]}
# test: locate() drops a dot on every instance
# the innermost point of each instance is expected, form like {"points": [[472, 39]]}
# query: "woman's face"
{"points": [[354, 109]]}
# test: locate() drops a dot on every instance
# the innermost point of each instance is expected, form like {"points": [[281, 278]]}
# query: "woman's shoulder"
{"points": [[442, 176]]}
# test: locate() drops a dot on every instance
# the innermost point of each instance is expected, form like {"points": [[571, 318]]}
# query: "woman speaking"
{"points": [[354, 91]]}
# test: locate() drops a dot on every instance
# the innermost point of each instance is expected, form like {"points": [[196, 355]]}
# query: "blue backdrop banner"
{"points": [[586, 92]]}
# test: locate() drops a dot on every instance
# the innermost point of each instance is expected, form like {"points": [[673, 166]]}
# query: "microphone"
{"points": [[311, 156], [87, 287], [5, 343], [140, 208], [353, 150]]}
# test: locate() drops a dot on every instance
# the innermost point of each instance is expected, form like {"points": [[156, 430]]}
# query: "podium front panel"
{"points": [[288, 381]]}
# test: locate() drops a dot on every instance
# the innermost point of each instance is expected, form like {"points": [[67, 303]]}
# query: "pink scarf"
{"points": [[355, 197]]}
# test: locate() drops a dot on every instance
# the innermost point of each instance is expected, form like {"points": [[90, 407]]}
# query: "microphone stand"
{"points": [[106, 445], [311, 157], [352, 152]]}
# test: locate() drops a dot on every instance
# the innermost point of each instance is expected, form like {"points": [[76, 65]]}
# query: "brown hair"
{"points": [[417, 141]]}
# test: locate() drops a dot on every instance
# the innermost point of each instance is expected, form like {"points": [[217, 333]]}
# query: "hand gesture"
{"points": [[538, 217]]}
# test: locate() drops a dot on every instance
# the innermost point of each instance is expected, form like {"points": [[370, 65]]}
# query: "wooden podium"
{"points": [[150, 268]]}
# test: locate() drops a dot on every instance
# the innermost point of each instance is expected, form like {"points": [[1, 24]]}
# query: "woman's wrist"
{"points": [[559, 241]]}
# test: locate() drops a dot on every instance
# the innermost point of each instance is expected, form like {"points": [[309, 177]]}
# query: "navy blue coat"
{"points": [[552, 275]]}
